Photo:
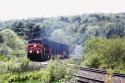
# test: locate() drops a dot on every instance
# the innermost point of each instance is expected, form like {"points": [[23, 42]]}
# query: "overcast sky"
{"points": [[18, 9]]}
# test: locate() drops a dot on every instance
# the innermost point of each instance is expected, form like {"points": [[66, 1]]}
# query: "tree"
{"points": [[18, 27], [1, 38], [11, 41], [105, 53], [30, 26]]}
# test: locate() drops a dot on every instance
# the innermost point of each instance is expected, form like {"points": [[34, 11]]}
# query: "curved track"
{"points": [[91, 75]]}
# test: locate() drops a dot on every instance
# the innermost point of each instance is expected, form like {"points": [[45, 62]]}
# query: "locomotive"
{"points": [[44, 49]]}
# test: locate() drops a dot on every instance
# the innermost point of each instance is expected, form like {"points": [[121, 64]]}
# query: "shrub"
{"points": [[19, 70], [11, 43], [105, 53]]}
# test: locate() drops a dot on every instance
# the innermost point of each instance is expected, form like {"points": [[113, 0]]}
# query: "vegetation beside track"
{"points": [[21, 71], [105, 54]]}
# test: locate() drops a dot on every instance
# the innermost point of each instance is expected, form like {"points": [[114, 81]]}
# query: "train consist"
{"points": [[44, 49]]}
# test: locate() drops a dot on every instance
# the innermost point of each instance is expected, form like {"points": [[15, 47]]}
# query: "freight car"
{"points": [[44, 49]]}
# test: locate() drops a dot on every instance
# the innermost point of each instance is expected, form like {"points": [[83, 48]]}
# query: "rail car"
{"points": [[44, 49]]}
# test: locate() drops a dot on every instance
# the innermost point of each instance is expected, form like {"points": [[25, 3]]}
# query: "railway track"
{"points": [[91, 75]]}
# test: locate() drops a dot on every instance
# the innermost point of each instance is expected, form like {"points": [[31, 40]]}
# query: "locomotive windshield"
{"points": [[35, 41]]}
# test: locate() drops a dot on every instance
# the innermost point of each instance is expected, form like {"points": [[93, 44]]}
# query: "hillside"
{"points": [[95, 40], [105, 25]]}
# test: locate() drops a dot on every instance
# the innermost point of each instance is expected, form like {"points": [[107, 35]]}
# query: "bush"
{"points": [[105, 53], [53, 72], [11, 43]]}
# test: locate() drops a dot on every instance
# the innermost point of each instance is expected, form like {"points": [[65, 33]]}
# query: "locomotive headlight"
{"points": [[37, 52], [30, 51], [34, 45]]}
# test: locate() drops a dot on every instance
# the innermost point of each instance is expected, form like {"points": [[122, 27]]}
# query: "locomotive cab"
{"points": [[37, 51]]}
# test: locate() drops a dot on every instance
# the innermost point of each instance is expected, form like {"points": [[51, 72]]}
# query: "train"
{"points": [[44, 49]]}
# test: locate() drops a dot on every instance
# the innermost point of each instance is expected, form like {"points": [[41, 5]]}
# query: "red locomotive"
{"points": [[40, 50]]}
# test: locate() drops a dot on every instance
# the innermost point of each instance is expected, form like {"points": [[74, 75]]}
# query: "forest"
{"points": [[100, 35]]}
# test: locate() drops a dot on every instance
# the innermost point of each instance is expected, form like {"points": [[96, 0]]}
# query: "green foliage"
{"points": [[5, 50], [54, 71], [11, 43], [9, 37], [20, 71], [105, 53], [92, 61], [72, 28], [14, 65]]}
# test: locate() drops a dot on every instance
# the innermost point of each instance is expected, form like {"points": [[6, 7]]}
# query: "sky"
{"points": [[19, 9]]}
